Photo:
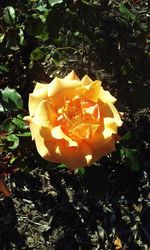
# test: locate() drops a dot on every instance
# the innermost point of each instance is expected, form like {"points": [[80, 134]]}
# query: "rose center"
{"points": [[78, 111]]}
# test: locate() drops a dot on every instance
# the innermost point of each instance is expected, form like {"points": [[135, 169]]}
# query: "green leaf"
{"points": [[3, 69], [39, 53], [19, 122], [25, 134], [54, 2], [7, 126], [1, 108], [36, 25], [12, 160], [9, 14], [2, 37], [133, 157], [81, 171], [126, 13], [11, 99], [14, 141], [61, 165], [21, 36], [42, 9], [127, 136]]}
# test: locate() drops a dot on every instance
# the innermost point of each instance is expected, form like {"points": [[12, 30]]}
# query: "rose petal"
{"points": [[93, 110], [46, 149], [72, 76], [36, 98], [45, 112], [74, 157], [109, 110], [39, 86], [57, 133], [61, 89], [107, 147], [85, 131], [110, 127], [86, 80], [105, 96], [91, 91], [100, 137]]}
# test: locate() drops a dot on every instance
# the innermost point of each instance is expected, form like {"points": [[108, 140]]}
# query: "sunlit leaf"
{"points": [[24, 134], [81, 171], [11, 99], [19, 122], [54, 2], [1, 37], [14, 141], [126, 13], [9, 14], [61, 166], [39, 53]]}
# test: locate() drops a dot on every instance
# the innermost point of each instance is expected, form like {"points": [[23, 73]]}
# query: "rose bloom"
{"points": [[73, 121]]}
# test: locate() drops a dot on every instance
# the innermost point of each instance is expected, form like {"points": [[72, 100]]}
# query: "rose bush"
{"points": [[73, 121]]}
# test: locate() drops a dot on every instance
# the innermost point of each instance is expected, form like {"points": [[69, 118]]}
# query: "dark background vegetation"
{"points": [[51, 208]]}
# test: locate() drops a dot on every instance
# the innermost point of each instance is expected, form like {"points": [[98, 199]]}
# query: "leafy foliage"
{"points": [[108, 40]]}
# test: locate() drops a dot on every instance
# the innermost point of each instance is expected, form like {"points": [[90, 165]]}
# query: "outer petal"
{"points": [[106, 148], [35, 98], [61, 89], [91, 91], [47, 149], [45, 144], [110, 127], [106, 97], [86, 80], [109, 110], [46, 112], [39, 86], [75, 157], [72, 76]]}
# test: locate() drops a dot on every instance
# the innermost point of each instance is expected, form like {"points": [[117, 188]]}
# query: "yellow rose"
{"points": [[73, 121]]}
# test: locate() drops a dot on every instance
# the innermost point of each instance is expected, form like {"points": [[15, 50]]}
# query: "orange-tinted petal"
{"points": [[61, 89], [46, 148], [57, 133], [74, 157], [107, 147], [84, 130]]}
